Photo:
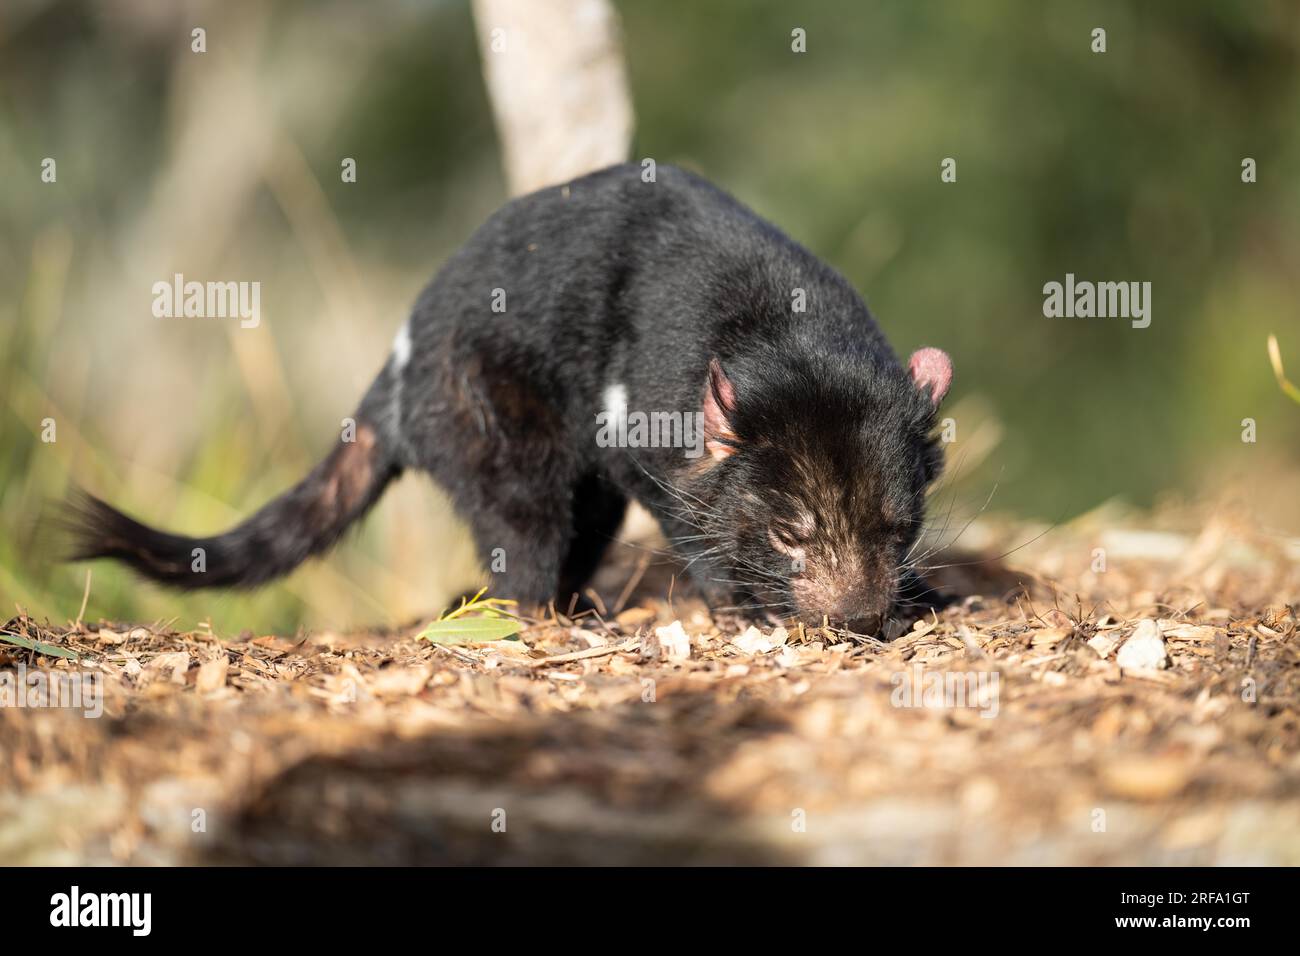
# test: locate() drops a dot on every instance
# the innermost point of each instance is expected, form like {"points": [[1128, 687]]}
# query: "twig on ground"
{"points": [[85, 597], [632, 582], [628, 645]]}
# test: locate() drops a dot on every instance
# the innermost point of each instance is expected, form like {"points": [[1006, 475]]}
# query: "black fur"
{"points": [[304, 521], [607, 280]]}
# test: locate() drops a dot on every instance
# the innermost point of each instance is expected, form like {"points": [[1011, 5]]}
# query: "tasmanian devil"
{"points": [[583, 305]]}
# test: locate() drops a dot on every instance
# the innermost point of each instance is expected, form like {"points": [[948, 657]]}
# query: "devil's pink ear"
{"points": [[932, 372], [719, 405]]}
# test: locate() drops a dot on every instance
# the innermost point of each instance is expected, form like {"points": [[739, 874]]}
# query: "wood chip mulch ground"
{"points": [[1012, 726]]}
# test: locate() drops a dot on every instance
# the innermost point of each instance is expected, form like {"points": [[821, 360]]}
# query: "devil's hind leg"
{"points": [[501, 451]]}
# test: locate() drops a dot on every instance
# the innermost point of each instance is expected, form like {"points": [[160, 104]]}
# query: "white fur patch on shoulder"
{"points": [[402, 346], [616, 401]]}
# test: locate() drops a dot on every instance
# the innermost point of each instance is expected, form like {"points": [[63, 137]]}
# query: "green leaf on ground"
{"points": [[469, 630], [493, 621]]}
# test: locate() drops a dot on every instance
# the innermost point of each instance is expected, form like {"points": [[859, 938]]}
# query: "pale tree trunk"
{"points": [[556, 78]]}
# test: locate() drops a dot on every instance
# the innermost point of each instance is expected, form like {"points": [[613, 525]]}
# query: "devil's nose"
{"points": [[864, 624], [859, 621]]}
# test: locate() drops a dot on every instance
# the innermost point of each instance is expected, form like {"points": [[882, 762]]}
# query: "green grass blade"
{"points": [[1275, 359], [40, 647]]}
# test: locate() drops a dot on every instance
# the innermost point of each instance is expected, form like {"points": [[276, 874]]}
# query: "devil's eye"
{"points": [[791, 534], [784, 543], [782, 538]]}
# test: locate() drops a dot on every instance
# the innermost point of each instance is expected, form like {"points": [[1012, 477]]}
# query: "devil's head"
{"points": [[816, 480]]}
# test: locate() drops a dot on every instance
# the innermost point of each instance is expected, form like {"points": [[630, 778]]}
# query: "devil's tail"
{"points": [[303, 522]]}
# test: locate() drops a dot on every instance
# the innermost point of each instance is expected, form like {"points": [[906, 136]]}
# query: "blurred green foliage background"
{"points": [[1117, 166]]}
